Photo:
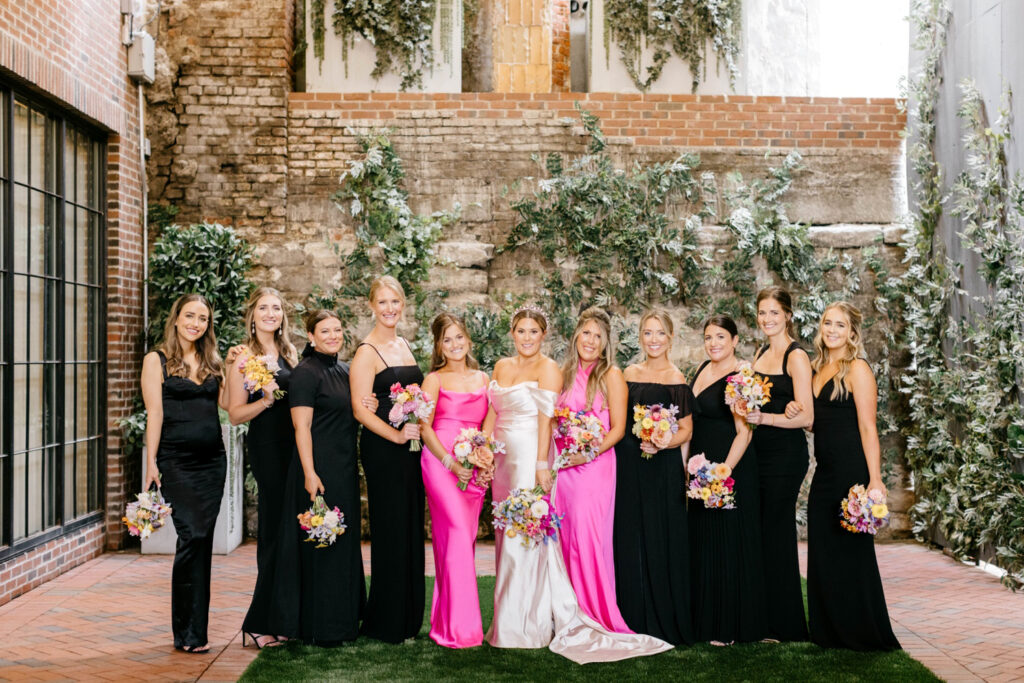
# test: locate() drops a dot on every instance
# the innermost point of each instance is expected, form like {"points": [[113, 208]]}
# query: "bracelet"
{"points": [[542, 465], [448, 462]]}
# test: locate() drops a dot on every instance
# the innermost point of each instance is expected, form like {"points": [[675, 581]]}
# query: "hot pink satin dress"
{"points": [[585, 494], [454, 520]]}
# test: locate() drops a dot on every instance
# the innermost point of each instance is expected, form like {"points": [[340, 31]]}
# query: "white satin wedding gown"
{"points": [[534, 603]]}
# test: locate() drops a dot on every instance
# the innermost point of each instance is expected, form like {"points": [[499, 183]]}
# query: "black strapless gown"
{"points": [[269, 445], [396, 499], [319, 593], [725, 545], [845, 600], [652, 566], [782, 465], [192, 466]]}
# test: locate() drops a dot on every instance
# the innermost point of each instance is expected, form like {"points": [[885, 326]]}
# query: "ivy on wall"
{"points": [[673, 27]]}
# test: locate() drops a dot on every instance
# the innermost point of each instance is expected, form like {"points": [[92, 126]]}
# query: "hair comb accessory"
{"points": [[531, 309]]}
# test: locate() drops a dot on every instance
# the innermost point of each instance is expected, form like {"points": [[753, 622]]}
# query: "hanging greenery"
{"points": [[673, 27]]}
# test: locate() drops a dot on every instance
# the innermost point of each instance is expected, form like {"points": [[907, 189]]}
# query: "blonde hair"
{"points": [[283, 344], [853, 350], [662, 317], [389, 282], [596, 382], [441, 323], [210, 362]]}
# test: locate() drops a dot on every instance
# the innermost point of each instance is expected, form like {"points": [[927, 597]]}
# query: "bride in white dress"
{"points": [[534, 603]]}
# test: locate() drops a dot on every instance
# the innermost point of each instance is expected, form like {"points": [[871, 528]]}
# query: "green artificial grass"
{"points": [[422, 660]]}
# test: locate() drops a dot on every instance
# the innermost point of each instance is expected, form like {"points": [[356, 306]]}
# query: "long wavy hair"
{"points": [[596, 383], [441, 323], [210, 362], [284, 345], [785, 301], [853, 350]]}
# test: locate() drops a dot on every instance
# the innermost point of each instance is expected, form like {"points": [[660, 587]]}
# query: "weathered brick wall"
{"points": [[560, 46], [72, 54]]}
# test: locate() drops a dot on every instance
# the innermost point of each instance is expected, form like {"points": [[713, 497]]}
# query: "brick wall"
{"points": [[559, 45], [71, 53]]}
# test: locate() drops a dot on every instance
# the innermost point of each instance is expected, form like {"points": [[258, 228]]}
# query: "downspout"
{"points": [[145, 221]]}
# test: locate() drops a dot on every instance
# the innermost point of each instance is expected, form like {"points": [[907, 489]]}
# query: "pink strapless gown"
{"points": [[585, 494], [454, 520]]}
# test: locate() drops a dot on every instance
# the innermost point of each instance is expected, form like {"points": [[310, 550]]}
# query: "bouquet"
{"points": [[654, 419], [746, 390], [711, 482], [577, 433], [146, 514], [863, 512], [474, 449], [258, 372], [527, 513], [409, 404], [322, 525]]}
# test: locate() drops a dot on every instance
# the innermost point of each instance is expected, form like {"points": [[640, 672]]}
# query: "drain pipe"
{"points": [[145, 221]]}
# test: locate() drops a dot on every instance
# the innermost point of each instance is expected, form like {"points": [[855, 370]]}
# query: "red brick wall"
{"points": [[688, 121], [71, 52], [560, 46]]}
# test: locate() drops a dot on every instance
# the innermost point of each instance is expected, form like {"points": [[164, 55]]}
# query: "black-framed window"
{"points": [[52, 313]]}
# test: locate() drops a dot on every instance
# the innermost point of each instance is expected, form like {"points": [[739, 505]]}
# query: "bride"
{"points": [[534, 604]]}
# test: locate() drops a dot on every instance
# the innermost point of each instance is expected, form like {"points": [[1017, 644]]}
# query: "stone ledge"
{"points": [[465, 254]]}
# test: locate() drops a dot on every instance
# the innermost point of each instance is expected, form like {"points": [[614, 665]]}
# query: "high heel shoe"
{"points": [[255, 640]]}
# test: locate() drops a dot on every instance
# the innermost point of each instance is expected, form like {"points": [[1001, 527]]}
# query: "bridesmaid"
{"points": [[782, 461], [844, 591], [268, 444], [585, 491], [725, 545], [394, 479], [320, 592], [460, 390], [652, 570], [182, 388]]}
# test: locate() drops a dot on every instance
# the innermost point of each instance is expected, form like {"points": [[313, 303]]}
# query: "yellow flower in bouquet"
{"points": [[880, 510]]}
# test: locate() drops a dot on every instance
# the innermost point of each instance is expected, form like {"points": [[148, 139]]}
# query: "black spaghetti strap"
{"points": [[699, 370], [376, 351], [785, 356], [760, 352], [407, 344], [163, 363]]}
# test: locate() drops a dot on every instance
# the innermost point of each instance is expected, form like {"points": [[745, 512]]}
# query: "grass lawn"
{"points": [[422, 660]]}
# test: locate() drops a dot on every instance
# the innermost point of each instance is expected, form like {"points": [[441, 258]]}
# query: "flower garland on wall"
{"points": [[673, 27]]}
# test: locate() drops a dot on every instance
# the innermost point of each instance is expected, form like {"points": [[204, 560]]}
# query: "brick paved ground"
{"points": [[107, 620]]}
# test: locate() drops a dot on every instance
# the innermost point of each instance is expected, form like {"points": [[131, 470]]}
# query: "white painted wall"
{"points": [[336, 75]]}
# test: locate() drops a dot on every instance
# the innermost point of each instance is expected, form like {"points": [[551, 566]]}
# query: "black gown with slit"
{"points": [[845, 600], [782, 459], [725, 545], [192, 466], [319, 593], [269, 444], [396, 500], [652, 566]]}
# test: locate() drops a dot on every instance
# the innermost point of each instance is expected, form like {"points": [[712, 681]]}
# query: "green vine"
{"points": [[673, 27]]}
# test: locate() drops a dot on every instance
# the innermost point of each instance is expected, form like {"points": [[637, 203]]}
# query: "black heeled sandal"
{"points": [[193, 649], [255, 640]]}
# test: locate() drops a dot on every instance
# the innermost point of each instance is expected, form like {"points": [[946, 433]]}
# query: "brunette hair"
{"points": [[785, 301], [596, 382], [530, 314], [441, 323], [853, 350], [283, 344], [210, 362], [317, 315], [723, 321]]}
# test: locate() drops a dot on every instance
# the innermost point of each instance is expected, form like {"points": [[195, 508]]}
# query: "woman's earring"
{"points": [[278, 332], [254, 328], [313, 344]]}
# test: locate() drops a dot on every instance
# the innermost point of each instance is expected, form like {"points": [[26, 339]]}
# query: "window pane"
{"points": [[19, 430], [81, 304], [69, 243], [83, 166], [35, 406], [82, 402], [82, 255], [48, 403], [69, 322], [18, 325], [93, 330], [98, 395], [43, 240], [18, 470], [20, 152], [36, 499], [20, 228], [95, 472], [37, 159], [96, 273], [69, 162], [36, 318], [96, 178], [70, 396]]}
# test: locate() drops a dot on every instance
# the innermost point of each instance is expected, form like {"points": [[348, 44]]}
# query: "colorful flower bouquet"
{"points": [[577, 433], [711, 482], [527, 513], [746, 390], [258, 372], [322, 525], [863, 512], [474, 449], [409, 404], [147, 513], [654, 419]]}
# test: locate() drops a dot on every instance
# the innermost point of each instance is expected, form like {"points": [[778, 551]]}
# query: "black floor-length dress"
{"points": [[319, 593], [782, 460], [652, 567], [192, 467], [269, 445], [845, 600], [725, 545], [396, 499]]}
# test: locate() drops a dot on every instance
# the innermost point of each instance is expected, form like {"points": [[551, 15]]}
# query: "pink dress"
{"points": [[585, 494], [454, 520]]}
